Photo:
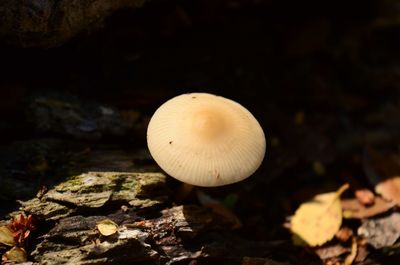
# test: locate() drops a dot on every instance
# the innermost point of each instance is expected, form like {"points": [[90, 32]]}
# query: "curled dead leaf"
{"points": [[317, 221], [107, 227], [353, 254], [22, 226]]}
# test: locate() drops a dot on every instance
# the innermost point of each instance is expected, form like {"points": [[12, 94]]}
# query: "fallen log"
{"points": [[146, 227]]}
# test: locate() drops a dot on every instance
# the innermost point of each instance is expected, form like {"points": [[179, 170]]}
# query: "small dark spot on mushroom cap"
{"points": [[170, 142], [193, 97]]}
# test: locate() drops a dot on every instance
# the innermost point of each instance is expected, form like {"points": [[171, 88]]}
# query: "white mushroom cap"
{"points": [[205, 140]]}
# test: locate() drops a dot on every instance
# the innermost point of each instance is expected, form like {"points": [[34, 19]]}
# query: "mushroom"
{"points": [[205, 140]]}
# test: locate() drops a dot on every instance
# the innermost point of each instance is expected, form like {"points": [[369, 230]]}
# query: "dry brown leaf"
{"points": [[107, 227], [6, 236], [390, 189], [317, 221], [383, 170], [353, 254], [16, 254], [352, 208], [362, 253], [327, 252]]}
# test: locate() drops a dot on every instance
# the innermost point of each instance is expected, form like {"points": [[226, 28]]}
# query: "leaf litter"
{"points": [[322, 224]]}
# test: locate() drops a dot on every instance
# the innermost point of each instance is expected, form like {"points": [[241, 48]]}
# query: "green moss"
{"points": [[73, 181], [129, 185]]}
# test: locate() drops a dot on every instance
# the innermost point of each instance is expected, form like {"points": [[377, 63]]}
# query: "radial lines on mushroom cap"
{"points": [[205, 140]]}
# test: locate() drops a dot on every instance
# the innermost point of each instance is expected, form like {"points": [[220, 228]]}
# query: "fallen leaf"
{"points": [[354, 209], [362, 253], [381, 232], [317, 221], [22, 226], [6, 236], [390, 189], [107, 227], [383, 171], [327, 252], [16, 254], [353, 254]]}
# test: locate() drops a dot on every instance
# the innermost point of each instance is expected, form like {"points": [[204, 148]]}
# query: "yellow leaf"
{"points": [[352, 256], [16, 254], [6, 236], [317, 221], [107, 227]]}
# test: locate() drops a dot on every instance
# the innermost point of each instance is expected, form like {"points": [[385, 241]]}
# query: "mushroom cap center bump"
{"points": [[208, 124]]}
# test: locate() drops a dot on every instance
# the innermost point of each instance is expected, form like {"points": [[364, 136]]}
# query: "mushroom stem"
{"points": [[183, 192]]}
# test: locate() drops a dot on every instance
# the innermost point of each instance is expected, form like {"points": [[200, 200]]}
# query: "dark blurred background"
{"points": [[322, 77], [298, 54]]}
